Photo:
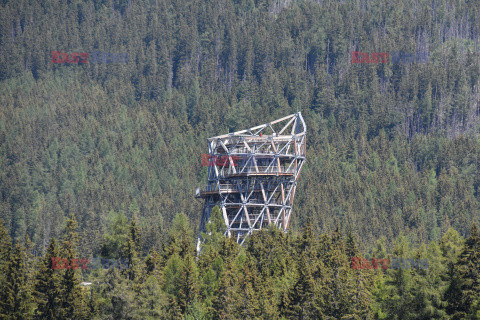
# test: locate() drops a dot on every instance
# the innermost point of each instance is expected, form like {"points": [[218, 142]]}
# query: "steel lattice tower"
{"points": [[254, 183]]}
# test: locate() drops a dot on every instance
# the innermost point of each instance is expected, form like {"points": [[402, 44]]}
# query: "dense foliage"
{"points": [[112, 151], [275, 276], [391, 147]]}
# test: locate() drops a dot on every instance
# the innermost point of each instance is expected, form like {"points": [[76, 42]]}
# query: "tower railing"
{"points": [[254, 181]]}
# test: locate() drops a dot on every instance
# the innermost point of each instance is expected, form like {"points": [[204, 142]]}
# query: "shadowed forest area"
{"points": [[105, 157]]}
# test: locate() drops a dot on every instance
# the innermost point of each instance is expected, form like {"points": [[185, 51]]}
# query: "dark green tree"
{"points": [[131, 251], [302, 296], [47, 288], [72, 300], [188, 286], [465, 280], [17, 301], [115, 236], [227, 296], [5, 245]]}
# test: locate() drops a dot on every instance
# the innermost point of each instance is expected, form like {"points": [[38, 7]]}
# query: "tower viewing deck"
{"points": [[254, 184]]}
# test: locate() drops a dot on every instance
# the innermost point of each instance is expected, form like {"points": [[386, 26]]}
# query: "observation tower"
{"points": [[253, 174]]}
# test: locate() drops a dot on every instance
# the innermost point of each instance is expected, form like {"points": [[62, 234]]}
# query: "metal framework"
{"points": [[254, 184]]}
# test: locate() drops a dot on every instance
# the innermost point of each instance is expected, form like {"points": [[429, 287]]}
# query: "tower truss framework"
{"points": [[254, 184]]}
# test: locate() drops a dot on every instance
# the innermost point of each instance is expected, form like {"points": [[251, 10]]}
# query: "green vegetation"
{"points": [[274, 276], [104, 157]]}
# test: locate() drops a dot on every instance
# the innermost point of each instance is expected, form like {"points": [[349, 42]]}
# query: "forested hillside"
{"points": [[273, 276], [393, 149]]}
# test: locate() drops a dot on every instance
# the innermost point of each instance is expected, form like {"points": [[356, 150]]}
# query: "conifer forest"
{"points": [[105, 111]]}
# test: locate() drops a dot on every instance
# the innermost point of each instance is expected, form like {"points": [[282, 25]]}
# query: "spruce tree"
{"points": [[465, 285], [174, 311], [5, 246], [72, 301], [301, 297], [179, 239], [5, 252], [151, 301], [47, 285], [213, 237], [401, 284], [188, 289], [16, 302], [120, 300], [227, 296], [351, 246], [131, 251], [248, 305]]}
